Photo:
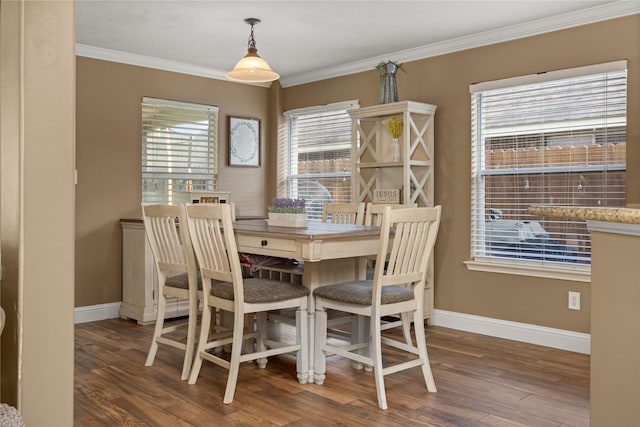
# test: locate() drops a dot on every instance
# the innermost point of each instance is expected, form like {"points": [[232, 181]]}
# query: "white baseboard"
{"points": [[93, 313], [533, 334]]}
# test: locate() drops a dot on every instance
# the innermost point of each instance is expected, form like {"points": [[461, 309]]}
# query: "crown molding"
{"points": [[574, 19], [587, 16], [151, 62]]}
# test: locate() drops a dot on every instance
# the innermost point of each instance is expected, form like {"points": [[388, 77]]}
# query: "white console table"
{"points": [[139, 278]]}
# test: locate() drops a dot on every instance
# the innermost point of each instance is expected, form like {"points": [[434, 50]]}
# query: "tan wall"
{"points": [[615, 327], [444, 81], [109, 157], [37, 83], [108, 117]]}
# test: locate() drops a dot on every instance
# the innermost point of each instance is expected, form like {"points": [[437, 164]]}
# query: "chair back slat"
{"points": [[343, 213]]}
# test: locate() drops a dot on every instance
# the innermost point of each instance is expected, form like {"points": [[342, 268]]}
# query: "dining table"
{"points": [[331, 253]]}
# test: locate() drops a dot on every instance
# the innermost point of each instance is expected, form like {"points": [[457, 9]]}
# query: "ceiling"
{"points": [[305, 41]]}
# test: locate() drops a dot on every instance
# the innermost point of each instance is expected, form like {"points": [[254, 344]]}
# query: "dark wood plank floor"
{"points": [[482, 381]]}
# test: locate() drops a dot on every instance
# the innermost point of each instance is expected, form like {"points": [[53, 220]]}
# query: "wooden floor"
{"points": [[482, 381]]}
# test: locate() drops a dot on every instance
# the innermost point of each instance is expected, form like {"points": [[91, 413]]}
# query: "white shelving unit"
{"points": [[373, 168], [372, 165]]}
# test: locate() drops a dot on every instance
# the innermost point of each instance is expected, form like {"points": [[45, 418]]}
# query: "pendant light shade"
{"points": [[252, 68]]}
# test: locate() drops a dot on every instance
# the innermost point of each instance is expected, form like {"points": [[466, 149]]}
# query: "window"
{"points": [[179, 150], [318, 166], [556, 138]]}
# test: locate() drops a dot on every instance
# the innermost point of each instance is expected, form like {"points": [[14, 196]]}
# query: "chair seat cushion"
{"points": [[257, 290], [360, 292], [181, 281]]}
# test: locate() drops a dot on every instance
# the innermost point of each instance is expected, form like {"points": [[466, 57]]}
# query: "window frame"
{"points": [[287, 149], [485, 263], [207, 133]]}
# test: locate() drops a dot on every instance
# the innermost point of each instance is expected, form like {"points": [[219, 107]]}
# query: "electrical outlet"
{"points": [[574, 300]]}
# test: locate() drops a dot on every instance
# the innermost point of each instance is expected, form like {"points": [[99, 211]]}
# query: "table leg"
{"points": [[324, 273], [311, 280]]}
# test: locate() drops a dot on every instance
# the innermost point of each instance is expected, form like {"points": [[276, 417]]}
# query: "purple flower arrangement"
{"points": [[286, 205]]}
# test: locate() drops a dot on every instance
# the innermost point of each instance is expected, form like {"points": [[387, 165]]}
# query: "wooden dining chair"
{"points": [[373, 216], [398, 288], [343, 213], [177, 277], [224, 288]]}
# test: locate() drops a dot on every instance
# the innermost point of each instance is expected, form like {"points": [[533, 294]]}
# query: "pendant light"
{"points": [[252, 68]]}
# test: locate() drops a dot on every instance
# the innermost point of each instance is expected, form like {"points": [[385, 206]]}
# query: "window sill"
{"points": [[561, 272]]}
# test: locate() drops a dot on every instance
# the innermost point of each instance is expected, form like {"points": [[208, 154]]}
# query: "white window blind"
{"points": [[557, 138], [319, 155], [179, 149]]}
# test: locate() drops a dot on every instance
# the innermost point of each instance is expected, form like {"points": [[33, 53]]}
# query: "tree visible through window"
{"points": [[179, 149], [319, 155], [557, 138]]}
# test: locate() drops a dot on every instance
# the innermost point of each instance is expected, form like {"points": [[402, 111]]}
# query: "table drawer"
{"points": [[267, 246]]}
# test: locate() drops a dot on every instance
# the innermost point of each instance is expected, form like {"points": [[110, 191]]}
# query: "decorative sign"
{"points": [[390, 196], [244, 142], [209, 199]]}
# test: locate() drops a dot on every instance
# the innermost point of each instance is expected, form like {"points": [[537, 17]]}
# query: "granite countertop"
{"points": [[623, 215]]}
